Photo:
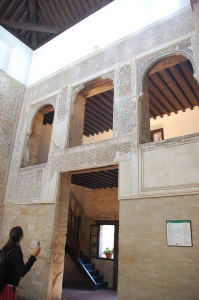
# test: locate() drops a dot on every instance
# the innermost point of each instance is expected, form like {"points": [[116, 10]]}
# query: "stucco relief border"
{"points": [[169, 189], [184, 48]]}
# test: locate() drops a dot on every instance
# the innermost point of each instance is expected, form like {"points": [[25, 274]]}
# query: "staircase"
{"points": [[84, 264], [87, 268]]}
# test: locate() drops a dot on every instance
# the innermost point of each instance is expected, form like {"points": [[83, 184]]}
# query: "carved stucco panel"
{"points": [[11, 94], [62, 108], [195, 45], [24, 185], [143, 64], [124, 116], [94, 155]]}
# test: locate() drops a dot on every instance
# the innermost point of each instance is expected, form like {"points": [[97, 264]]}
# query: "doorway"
{"points": [[93, 204]]}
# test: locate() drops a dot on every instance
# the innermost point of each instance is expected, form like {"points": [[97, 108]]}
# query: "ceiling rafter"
{"points": [[160, 95], [170, 94], [173, 84]]}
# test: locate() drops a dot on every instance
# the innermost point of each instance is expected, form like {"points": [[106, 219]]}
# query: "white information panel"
{"points": [[179, 233]]}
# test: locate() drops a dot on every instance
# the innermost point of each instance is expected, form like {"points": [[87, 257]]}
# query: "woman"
{"points": [[16, 267]]}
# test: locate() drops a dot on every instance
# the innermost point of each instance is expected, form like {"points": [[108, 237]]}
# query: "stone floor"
{"points": [[77, 291]]}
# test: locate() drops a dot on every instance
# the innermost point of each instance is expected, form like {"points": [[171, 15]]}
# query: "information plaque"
{"points": [[179, 233]]}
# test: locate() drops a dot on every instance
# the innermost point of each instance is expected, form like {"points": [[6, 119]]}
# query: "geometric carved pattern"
{"points": [[11, 93], [124, 116], [25, 185], [99, 154], [125, 80], [62, 104]]}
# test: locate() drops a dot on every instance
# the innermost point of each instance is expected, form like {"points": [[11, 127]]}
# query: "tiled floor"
{"points": [[79, 292]]}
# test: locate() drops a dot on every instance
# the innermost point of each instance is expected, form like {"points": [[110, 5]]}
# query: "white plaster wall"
{"points": [[98, 137], [182, 123], [91, 33], [15, 57]]}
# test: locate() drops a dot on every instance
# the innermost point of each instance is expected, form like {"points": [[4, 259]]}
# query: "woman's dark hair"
{"points": [[15, 234]]}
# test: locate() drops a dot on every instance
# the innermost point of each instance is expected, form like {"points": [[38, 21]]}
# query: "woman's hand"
{"points": [[36, 251]]}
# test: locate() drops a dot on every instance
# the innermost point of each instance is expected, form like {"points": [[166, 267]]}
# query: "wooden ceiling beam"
{"points": [[95, 125], [2, 2], [10, 6], [62, 14], [96, 113], [88, 183], [95, 119], [19, 11], [56, 15], [192, 81], [167, 63], [158, 103], [33, 20], [97, 90], [156, 112], [93, 170], [160, 96], [98, 108], [79, 7], [42, 13], [174, 86], [73, 9], [179, 77], [30, 26], [152, 115], [85, 6], [48, 12], [166, 89], [101, 103], [98, 178], [104, 98], [67, 11]]}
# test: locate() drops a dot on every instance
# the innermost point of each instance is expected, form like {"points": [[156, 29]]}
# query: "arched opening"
{"points": [[169, 106], [92, 116], [38, 144]]}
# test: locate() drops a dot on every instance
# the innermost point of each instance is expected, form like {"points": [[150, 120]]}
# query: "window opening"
{"points": [[170, 97], [92, 118], [38, 144]]}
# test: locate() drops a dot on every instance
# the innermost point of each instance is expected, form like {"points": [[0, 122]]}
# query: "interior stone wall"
{"points": [[147, 266], [37, 223], [11, 95]]}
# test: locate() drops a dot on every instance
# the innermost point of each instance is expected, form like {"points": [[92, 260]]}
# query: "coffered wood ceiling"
{"points": [[35, 22]]}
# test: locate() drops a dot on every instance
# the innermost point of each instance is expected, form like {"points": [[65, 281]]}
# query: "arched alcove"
{"points": [[169, 105], [38, 144], [92, 115]]}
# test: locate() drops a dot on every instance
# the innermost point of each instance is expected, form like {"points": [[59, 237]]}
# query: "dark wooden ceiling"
{"points": [[99, 113], [35, 22], [172, 88], [97, 180]]}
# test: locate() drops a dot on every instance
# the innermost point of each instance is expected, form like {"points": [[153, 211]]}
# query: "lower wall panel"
{"points": [[148, 268], [37, 222]]}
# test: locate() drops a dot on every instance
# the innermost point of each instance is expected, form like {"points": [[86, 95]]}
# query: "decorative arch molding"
{"points": [[144, 64], [34, 109]]}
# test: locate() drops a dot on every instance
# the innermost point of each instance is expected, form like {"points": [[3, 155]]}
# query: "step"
{"points": [[94, 272], [98, 279], [101, 285], [85, 260], [89, 266]]}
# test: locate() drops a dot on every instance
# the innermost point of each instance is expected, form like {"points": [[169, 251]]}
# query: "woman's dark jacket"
{"points": [[16, 267]]}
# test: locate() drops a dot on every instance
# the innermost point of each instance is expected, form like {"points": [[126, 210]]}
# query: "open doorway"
{"points": [[93, 221]]}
